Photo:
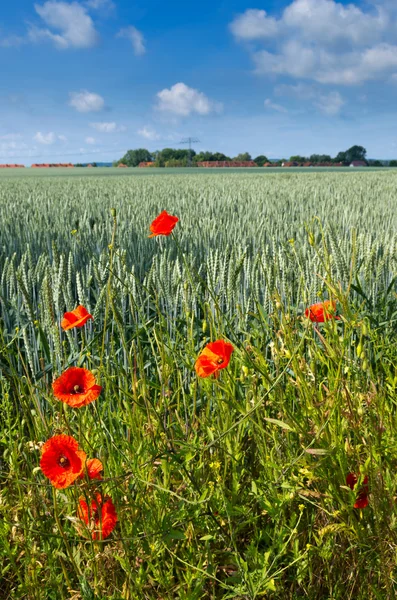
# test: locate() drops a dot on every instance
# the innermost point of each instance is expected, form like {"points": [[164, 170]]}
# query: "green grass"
{"points": [[225, 488]]}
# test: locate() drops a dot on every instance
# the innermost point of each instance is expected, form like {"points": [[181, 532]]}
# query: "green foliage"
{"points": [[244, 156], [133, 157], [211, 156], [320, 158], [261, 160], [229, 487], [393, 163], [298, 159]]}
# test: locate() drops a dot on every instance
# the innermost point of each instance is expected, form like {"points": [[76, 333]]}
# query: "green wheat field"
{"points": [[225, 487]]}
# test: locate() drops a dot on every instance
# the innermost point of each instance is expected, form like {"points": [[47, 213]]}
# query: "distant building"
{"points": [[290, 164], [123, 166], [143, 165], [222, 164], [358, 163], [52, 165], [12, 166]]}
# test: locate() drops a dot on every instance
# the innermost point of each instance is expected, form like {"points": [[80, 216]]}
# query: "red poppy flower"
{"points": [[163, 224], [77, 318], [215, 356], [93, 468], [322, 311], [362, 496], [100, 516], [62, 461], [76, 387]]}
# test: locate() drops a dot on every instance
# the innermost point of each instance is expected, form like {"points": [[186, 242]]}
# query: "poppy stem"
{"points": [[61, 531]]}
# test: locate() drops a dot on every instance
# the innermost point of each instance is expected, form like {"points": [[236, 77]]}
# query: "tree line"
{"points": [[178, 157]]}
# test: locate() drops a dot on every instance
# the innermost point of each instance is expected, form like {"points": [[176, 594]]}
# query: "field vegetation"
{"points": [[273, 477]]}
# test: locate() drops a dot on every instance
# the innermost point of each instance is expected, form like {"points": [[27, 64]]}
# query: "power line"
{"points": [[190, 141]]}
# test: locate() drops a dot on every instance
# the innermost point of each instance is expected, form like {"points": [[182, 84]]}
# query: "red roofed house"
{"points": [[358, 163], [221, 164]]}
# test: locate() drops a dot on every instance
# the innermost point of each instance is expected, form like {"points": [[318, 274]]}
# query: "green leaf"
{"points": [[317, 451], [279, 423]]}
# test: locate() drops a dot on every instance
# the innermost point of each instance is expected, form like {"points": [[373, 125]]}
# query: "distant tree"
{"points": [[221, 156], [203, 157], [320, 158], [298, 159], [78, 165], [133, 157], [243, 157], [356, 153], [341, 158], [261, 160], [393, 163], [376, 163], [94, 164], [175, 162], [174, 154]]}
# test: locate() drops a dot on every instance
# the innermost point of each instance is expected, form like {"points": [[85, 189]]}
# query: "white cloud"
{"points": [[45, 138], [254, 24], [276, 107], [183, 100], [106, 5], [85, 101], [70, 25], [12, 41], [148, 133], [323, 41], [330, 104], [62, 138], [327, 103], [90, 140], [136, 38], [10, 143], [108, 127]]}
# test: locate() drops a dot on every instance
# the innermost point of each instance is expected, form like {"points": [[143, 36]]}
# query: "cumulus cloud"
{"points": [[12, 41], [90, 140], [107, 127], [103, 5], [11, 143], [322, 40], [328, 103], [274, 106], [148, 133], [69, 25], [86, 102], [183, 100], [48, 138], [253, 25], [135, 37]]}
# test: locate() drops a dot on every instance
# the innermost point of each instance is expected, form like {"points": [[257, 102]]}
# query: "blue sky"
{"points": [[88, 79]]}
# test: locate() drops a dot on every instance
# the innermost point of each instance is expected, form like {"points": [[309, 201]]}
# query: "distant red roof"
{"points": [[123, 166], [358, 163], [208, 164], [146, 164], [12, 166]]}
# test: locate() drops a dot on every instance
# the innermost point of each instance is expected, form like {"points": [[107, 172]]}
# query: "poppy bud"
{"points": [[204, 326]]}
